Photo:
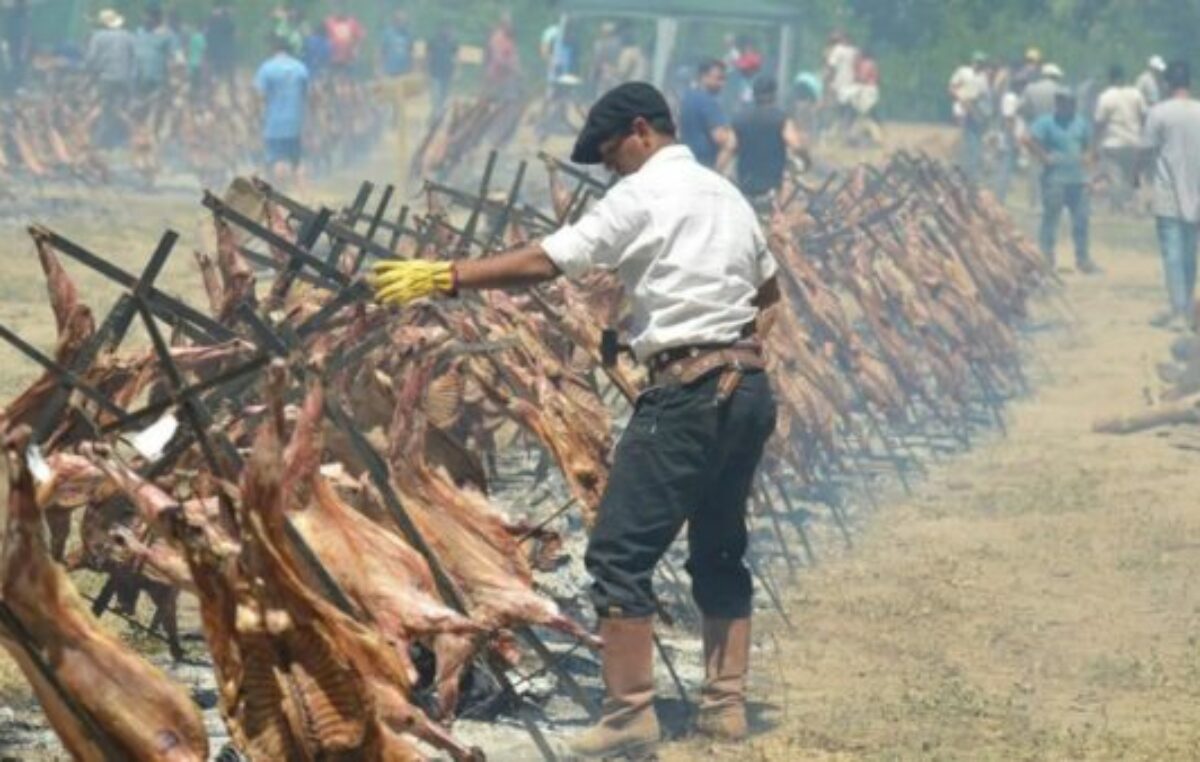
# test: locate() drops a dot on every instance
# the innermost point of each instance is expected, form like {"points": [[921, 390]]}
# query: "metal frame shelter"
{"points": [[667, 15]]}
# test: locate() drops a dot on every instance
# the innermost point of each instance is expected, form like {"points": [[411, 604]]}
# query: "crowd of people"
{"points": [[140, 70], [1137, 139]]}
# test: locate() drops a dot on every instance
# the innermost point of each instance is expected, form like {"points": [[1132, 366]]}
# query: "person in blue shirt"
{"points": [[396, 46], [316, 51], [282, 83], [155, 49], [1062, 142], [703, 124]]}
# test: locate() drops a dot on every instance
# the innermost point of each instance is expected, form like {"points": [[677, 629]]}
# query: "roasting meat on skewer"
{"points": [[112, 701]]}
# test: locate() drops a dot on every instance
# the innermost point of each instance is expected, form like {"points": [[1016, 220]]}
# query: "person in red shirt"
{"points": [[748, 65], [345, 34], [866, 71], [502, 65], [864, 99]]}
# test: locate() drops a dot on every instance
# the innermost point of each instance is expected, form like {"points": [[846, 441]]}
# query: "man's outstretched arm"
{"points": [[524, 266]]}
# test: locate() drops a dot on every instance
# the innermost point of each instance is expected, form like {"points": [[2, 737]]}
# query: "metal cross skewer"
{"points": [[335, 230], [196, 325], [350, 215]]}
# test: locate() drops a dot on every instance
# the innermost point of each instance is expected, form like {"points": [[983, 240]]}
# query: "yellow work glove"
{"points": [[398, 282]]}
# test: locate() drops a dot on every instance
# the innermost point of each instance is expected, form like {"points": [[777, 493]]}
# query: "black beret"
{"points": [[613, 114]]}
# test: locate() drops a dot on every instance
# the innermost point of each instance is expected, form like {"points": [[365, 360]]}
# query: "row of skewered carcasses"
{"points": [[57, 131], [904, 291]]}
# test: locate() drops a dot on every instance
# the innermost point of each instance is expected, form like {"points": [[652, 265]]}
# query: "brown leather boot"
{"points": [[726, 661], [628, 726]]}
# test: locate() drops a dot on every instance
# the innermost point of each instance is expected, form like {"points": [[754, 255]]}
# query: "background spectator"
{"points": [[17, 42], [396, 46], [632, 65], [316, 52], [220, 36], [502, 62], [441, 53], [156, 48], [1120, 114], [282, 83], [1172, 140], [1148, 81], [703, 124], [112, 59], [1061, 142], [346, 35]]}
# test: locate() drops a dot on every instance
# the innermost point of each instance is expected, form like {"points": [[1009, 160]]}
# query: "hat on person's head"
{"points": [[110, 19], [1065, 94], [613, 115], [765, 87], [1156, 63], [1052, 71], [1033, 55]]}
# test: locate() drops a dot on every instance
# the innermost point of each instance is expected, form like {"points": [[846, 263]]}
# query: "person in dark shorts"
{"points": [[282, 83], [765, 137], [697, 272]]}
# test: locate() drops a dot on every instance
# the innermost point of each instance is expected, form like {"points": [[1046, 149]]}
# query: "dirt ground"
{"points": [[1033, 599]]}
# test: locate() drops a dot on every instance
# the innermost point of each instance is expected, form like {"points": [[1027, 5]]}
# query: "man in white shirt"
{"points": [[1171, 141], [970, 90], [840, 62], [1011, 130], [696, 269], [1120, 114], [1148, 82]]}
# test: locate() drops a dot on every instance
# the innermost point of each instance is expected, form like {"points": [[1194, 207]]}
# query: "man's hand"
{"points": [[398, 282]]}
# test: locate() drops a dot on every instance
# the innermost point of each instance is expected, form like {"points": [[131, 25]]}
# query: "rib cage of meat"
{"points": [[298, 678]]}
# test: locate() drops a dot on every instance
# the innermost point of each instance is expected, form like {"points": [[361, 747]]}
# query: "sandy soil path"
{"points": [[1037, 598]]}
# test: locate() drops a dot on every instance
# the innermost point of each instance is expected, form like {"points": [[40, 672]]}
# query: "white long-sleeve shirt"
{"points": [[686, 245]]}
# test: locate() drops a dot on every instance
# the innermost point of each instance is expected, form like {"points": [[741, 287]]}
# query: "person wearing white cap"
{"points": [[112, 59], [970, 89], [1037, 101], [1148, 83]]}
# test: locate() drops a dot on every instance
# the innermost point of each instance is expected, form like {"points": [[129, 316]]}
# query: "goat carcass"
{"points": [[388, 580], [112, 703], [470, 538]]}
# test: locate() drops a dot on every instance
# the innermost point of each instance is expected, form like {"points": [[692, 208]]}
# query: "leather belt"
{"points": [[685, 365]]}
